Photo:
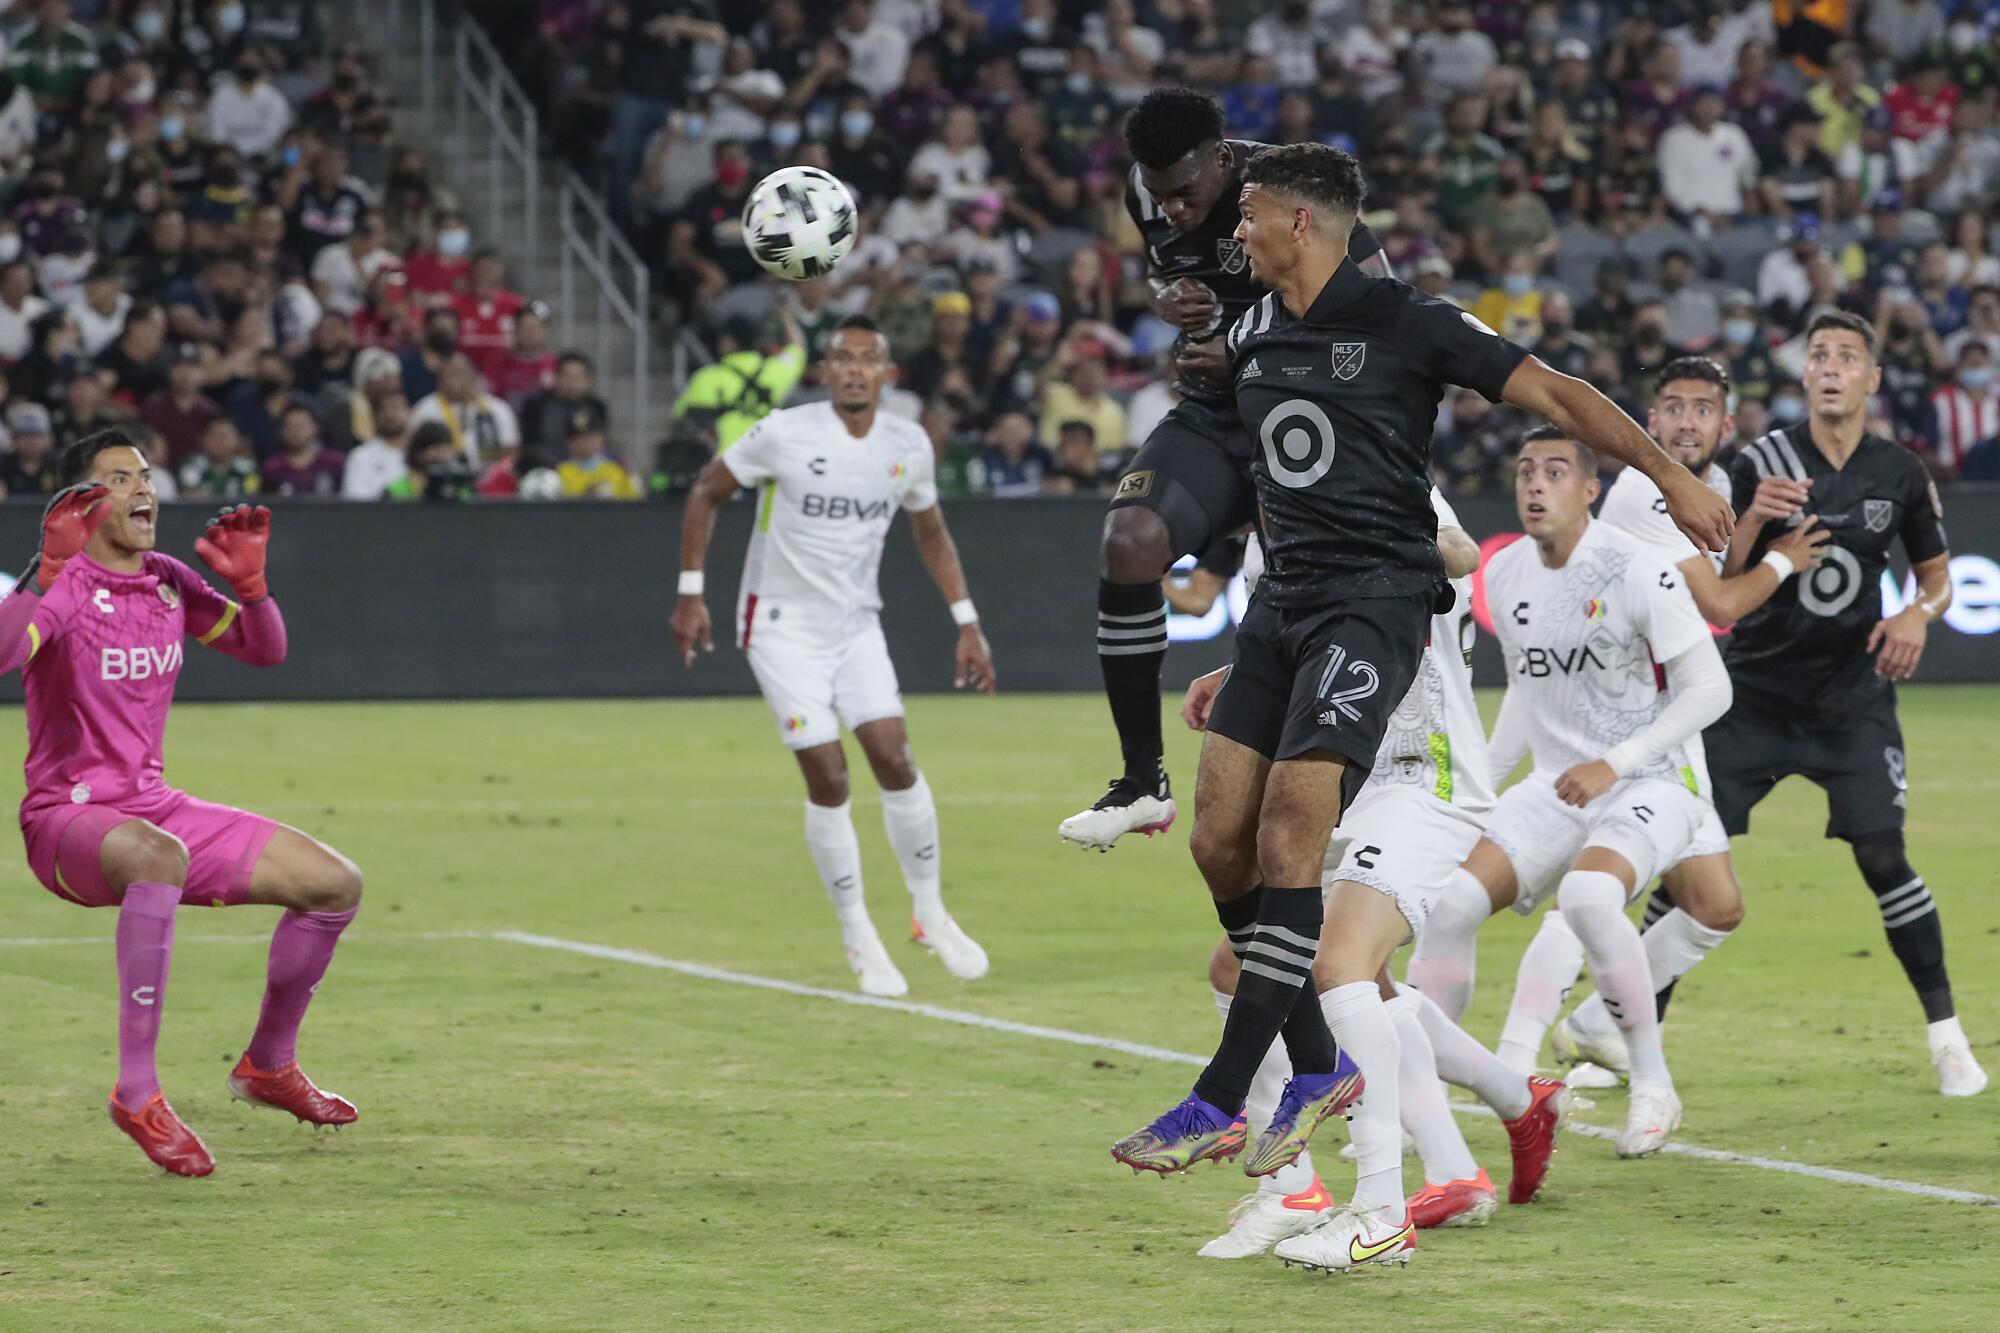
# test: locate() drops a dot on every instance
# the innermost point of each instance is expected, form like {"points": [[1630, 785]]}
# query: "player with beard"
{"points": [[1189, 487]]}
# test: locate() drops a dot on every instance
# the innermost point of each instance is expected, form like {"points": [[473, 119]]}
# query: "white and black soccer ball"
{"points": [[799, 222]]}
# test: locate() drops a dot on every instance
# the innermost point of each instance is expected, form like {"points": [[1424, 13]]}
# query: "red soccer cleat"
{"points": [[1532, 1136], [288, 1089], [1461, 1203], [163, 1137]]}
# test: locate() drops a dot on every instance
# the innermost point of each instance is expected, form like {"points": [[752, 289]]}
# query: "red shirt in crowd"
{"points": [[1917, 118], [518, 376], [486, 328], [181, 427], [432, 275]]}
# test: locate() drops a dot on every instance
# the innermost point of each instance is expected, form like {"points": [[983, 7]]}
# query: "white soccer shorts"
{"points": [[813, 685], [1402, 842], [1651, 822]]}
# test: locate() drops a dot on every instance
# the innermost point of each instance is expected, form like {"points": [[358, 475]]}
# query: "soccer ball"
{"points": [[799, 222]]}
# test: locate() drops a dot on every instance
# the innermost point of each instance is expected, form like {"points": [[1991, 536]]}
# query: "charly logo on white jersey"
{"points": [[101, 599], [142, 663], [1298, 443]]}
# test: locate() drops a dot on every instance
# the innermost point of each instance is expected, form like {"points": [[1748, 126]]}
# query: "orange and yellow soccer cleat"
{"points": [[288, 1089], [162, 1136], [1457, 1203], [1532, 1136]]}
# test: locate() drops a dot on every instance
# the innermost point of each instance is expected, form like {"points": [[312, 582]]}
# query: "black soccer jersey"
{"points": [[1339, 407], [1211, 254], [1808, 645]]}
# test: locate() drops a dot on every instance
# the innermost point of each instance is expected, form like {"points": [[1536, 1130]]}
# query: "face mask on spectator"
{"points": [[10, 246], [229, 18], [785, 134], [1976, 378], [1788, 408], [246, 73], [694, 125], [442, 342], [453, 242], [1555, 328], [150, 24], [171, 128], [115, 150], [1037, 30], [1518, 284], [856, 124], [1078, 83], [1739, 331]]}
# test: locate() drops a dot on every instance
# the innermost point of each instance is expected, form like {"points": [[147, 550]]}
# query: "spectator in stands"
{"points": [[435, 470], [379, 461], [978, 240], [1971, 262], [1795, 176], [546, 413], [724, 399], [1967, 170], [1080, 395], [1968, 408], [1453, 58], [1921, 104], [52, 57], [1028, 357], [326, 371], [84, 411], [1473, 445], [482, 427], [1556, 161], [1709, 45], [1842, 99], [223, 469], [1466, 160], [655, 55], [302, 466], [181, 412], [1875, 162], [1708, 170], [1285, 37], [100, 309], [742, 97], [323, 204], [20, 308], [137, 363], [861, 155], [54, 354], [258, 405], [1694, 317], [1560, 345], [1432, 276], [1515, 221], [201, 308], [586, 470], [1982, 321], [422, 363], [1781, 275], [486, 314], [438, 270], [1944, 301], [343, 270], [348, 421], [1741, 348], [415, 205], [705, 250], [1656, 98], [1013, 463], [1649, 349], [1512, 304], [163, 258], [878, 49], [956, 159], [246, 113], [1754, 100], [1900, 29], [18, 126], [947, 358], [530, 363], [1080, 467], [29, 466], [1042, 176]]}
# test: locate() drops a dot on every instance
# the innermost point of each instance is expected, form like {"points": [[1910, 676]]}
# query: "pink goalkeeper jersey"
{"points": [[105, 650]]}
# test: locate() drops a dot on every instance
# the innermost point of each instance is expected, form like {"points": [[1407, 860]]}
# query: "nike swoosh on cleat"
{"points": [[1309, 1201], [1361, 1254]]}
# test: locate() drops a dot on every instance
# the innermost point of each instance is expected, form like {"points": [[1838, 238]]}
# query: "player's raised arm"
{"points": [[250, 628], [940, 553], [1582, 413], [72, 516], [716, 483]]}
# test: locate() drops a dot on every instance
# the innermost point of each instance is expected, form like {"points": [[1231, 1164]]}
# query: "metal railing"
{"points": [[513, 136], [591, 243]]}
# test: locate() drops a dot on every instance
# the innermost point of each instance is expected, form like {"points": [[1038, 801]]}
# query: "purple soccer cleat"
{"points": [[1193, 1131]]}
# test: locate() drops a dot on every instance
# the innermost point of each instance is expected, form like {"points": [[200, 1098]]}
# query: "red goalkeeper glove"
{"points": [[233, 546], [72, 518]]}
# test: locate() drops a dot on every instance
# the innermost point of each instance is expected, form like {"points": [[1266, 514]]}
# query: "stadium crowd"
{"points": [[211, 237], [1611, 182]]}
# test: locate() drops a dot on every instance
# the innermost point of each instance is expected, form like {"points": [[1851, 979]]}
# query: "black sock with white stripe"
{"points": [[1910, 918], [1131, 646], [1658, 906], [1276, 971]]}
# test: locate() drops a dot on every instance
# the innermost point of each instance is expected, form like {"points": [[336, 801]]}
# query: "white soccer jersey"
{"points": [[1582, 641], [825, 501], [1635, 504], [1435, 740]]}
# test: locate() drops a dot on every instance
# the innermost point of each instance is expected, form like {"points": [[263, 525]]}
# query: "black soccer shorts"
{"points": [[1194, 472], [1857, 759], [1325, 679]]}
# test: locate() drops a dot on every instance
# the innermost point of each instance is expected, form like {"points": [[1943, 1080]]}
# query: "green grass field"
{"points": [[551, 1140]]}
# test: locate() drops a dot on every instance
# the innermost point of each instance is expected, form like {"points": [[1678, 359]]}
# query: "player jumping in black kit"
{"points": [[1815, 667], [1189, 487], [1337, 376]]}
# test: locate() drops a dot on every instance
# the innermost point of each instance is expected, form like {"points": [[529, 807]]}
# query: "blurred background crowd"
{"points": [[212, 234]]}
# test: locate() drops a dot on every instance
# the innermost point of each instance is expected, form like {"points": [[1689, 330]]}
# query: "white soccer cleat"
{"points": [[1655, 1113], [1349, 1237], [1959, 1075], [1126, 807], [961, 956], [1575, 1045], [1263, 1218], [870, 963], [1593, 1076], [1348, 1154]]}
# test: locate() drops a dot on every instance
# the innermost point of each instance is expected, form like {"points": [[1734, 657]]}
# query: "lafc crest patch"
{"points": [[1134, 486], [1877, 513], [1229, 253], [1347, 359]]}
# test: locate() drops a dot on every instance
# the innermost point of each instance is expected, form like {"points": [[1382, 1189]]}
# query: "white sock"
{"points": [[910, 816], [1362, 1026], [1426, 1113], [1946, 1034], [837, 854], [1265, 1088], [1447, 954], [1548, 970], [1594, 903], [1674, 944], [1464, 1063]]}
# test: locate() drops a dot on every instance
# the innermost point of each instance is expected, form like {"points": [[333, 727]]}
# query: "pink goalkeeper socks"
{"points": [[301, 948], [145, 947]]}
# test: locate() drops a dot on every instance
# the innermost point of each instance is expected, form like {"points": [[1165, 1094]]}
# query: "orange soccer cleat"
{"points": [[288, 1089], [1532, 1136], [1458, 1203], [163, 1137]]}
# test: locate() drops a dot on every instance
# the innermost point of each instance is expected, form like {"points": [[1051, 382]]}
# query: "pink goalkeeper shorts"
{"points": [[223, 846]]}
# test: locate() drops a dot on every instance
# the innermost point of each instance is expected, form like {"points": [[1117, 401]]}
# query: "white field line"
{"points": [[960, 1016], [966, 1019]]}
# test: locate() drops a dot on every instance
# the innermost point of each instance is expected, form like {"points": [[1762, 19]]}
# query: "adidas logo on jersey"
{"points": [[1251, 371]]}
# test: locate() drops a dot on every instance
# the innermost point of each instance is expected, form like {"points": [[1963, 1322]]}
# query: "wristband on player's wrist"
{"points": [[963, 612], [692, 583], [1780, 564]]}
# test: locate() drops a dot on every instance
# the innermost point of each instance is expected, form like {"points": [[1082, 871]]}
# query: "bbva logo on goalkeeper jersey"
{"points": [[142, 663]]}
